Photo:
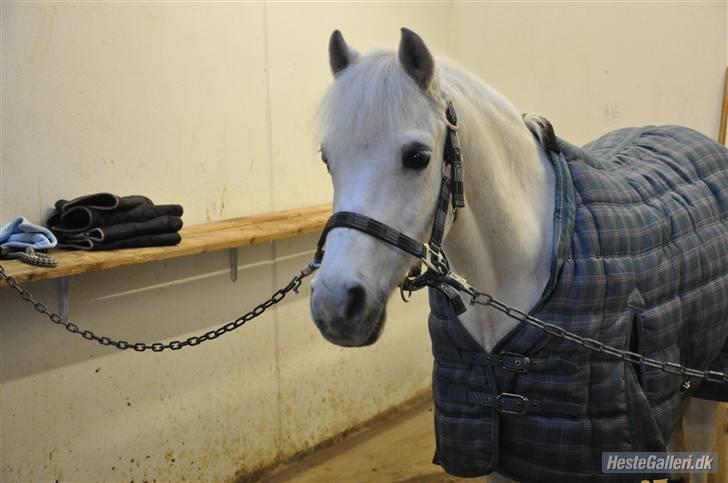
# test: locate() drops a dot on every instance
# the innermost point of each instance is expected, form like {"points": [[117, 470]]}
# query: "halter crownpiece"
{"points": [[453, 157], [430, 253]]}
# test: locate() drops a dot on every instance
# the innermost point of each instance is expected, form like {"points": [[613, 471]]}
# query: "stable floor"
{"points": [[394, 450]]}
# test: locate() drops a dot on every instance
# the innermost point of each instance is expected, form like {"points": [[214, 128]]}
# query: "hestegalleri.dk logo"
{"points": [[678, 462]]}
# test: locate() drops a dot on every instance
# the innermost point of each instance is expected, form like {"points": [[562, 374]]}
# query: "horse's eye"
{"points": [[416, 157]]}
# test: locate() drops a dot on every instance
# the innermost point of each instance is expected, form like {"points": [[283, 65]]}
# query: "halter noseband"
{"points": [[430, 253]]}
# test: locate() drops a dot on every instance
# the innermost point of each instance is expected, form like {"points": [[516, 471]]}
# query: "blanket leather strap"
{"points": [[508, 403], [509, 361]]}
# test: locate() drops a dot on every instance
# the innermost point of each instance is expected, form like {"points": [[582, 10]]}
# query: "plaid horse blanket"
{"points": [[640, 262]]}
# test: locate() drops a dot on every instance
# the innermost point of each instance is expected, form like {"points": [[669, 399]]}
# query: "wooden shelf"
{"points": [[196, 239]]}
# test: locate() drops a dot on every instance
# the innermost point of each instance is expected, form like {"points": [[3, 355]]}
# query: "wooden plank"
{"points": [[196, 239]]}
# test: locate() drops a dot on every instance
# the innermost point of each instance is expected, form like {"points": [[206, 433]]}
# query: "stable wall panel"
{"points": [[298, 36], [591, 68], [165, 100], [326, 389], [75, 410]]}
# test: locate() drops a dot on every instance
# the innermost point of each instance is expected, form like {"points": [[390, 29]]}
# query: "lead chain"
{"points": [[482, 298], [477, 297], [174, 345]]}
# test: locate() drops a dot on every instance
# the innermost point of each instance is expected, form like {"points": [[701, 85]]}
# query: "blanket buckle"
{"points": [[509, 403], [510, 361]]}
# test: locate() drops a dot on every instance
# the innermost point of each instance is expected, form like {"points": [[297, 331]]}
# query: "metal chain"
{"points": [[477, 297], [29, 256], [482, 298], [174, 345]]}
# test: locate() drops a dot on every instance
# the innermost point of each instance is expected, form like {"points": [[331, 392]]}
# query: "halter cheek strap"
{"points": [[454, 158], [431, 254]]}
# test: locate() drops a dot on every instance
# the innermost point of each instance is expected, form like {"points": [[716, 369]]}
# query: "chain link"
{"points": [[482, 298], [174, 345]]}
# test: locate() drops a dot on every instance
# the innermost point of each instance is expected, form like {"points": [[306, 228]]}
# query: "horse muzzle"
{"points": [[347, 314]]}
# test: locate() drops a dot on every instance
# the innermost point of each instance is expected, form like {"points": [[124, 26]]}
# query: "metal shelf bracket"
{"points": [[62, 289], [233, 264]]}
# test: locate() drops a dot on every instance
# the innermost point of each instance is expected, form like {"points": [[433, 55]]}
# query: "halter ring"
{"points": [[402, 291]]}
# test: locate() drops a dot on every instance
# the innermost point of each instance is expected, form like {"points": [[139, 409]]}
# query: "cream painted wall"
{"points": [[594, 67], [212, 106]]}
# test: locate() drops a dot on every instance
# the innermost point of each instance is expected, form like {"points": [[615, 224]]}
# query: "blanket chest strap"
{"points": [[509, 361], [507, 403]]}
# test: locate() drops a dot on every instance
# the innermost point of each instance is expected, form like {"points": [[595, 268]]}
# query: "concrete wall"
{"points": [[211, 106]]}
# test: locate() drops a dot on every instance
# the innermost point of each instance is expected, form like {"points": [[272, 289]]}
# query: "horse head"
{"points": [[382, 137]]}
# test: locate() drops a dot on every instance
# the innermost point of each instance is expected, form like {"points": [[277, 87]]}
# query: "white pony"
{"points": [[384, 107]]}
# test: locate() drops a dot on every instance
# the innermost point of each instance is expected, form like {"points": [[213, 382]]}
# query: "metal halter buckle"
{"points": [[435, 260], [508, 403]]}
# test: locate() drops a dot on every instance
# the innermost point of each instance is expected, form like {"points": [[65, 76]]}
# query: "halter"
{"points": [[430, 253]]}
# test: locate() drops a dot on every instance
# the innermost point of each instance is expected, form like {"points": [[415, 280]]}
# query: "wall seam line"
{"points": [[274, 245]]}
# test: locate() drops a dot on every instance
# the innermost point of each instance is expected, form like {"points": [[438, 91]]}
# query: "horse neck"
{"points": [[502, 240]]}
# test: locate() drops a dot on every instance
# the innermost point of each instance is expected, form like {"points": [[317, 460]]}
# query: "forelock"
{"points": [[371, 99]]}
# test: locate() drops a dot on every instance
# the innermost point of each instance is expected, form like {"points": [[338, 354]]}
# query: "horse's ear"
{"points": [[416, 59], [340, 54]]}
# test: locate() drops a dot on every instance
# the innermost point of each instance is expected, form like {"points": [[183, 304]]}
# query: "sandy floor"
{"points": [[398, 450]]}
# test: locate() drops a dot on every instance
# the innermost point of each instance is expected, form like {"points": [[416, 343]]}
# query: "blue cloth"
{"points": [[21, 233], [640, 263]]}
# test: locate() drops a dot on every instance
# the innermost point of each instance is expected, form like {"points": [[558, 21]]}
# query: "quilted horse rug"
{"points": [[640, 263]]}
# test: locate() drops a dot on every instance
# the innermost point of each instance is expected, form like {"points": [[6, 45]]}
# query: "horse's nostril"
{"points": [[356, 301]]}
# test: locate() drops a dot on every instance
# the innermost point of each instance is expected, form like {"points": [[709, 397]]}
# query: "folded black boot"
{"points": [[104, 221], [121, 231], [79, 219], [100, 201], [103, 201], [155, 240]]}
